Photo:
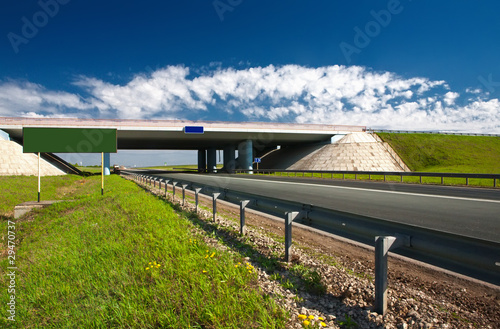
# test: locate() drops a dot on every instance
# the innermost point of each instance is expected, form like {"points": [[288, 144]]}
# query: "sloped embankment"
{"points": [[447, 153]]}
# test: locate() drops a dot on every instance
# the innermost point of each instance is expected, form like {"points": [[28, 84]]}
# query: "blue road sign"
{"points": [[194, 130], [257, 160]]}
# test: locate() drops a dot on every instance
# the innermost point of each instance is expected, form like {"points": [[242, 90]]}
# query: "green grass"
{"points": [[92, 170], [447, 153], [19, 189], [82, 264]]}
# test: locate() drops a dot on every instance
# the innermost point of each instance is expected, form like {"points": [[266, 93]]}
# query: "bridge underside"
{"points": [[250, 139]]}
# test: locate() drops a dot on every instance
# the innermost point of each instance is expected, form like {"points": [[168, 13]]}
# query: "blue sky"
{"points": [[421, 65]]}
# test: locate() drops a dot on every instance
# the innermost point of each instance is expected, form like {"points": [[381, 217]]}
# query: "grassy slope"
{"points": [[18, 189], [447, 153], [83, 264]]}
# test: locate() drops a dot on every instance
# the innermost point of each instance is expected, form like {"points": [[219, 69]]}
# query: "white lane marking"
{"points": [[371, 190]]}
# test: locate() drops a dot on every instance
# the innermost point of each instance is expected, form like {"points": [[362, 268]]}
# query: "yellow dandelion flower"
{"points": [[147, 268], [206, 256], [302, 316], [250, 272], [213, 254], [149, 263], [322, 324], [306, 323], [235, 265], [204, 271], [311, 317], [321, 318]]}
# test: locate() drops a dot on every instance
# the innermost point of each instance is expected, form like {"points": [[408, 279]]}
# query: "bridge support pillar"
{"points": [[229, 159], [202, 160], [212, 159], [245, 155], [107, 163]]}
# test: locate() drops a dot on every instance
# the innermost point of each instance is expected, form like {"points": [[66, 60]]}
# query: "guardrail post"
{"points": [[166, 181], [214, 205], [382, 246], [196, 192], [494, 182], [173, 188], [442, 180], [289, 217], [243, 204], [183, 194], [466, 180]]}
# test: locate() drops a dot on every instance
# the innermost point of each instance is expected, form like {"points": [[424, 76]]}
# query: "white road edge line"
{"points": [[378, 191]]}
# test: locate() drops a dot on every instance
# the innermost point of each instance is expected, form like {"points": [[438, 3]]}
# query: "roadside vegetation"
{"points": [[122, 260], [19, 189], [90, 169], [447, 153]]}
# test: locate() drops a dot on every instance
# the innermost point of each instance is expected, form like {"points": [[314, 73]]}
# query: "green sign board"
{"points": [[69, 140]]}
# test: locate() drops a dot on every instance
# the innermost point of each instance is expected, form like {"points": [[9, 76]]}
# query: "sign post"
{"points": [[69, 140], [257, 161], [102, 173], [38, 176]]}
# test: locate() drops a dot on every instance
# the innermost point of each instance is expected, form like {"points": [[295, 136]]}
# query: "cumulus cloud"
{"points": [[450, 97], [23, 98], [350, 95]]}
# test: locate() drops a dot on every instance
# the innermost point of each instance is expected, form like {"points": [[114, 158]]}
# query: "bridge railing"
{"points": [[370, 131], [356, 174]]}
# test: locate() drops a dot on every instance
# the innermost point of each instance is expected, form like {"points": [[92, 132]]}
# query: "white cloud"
{"points": [[20, 98], [333, 94], [450, 97]]}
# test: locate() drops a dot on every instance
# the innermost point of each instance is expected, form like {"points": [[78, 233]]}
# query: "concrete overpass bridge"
{"points": [[251, 139]]}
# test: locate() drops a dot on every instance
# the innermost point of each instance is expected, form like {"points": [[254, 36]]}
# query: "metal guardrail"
{"points": [[369, 130], [472, 257], [402, 174]]}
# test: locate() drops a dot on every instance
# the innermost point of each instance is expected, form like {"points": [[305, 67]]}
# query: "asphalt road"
{"points": [[473, 212]]}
